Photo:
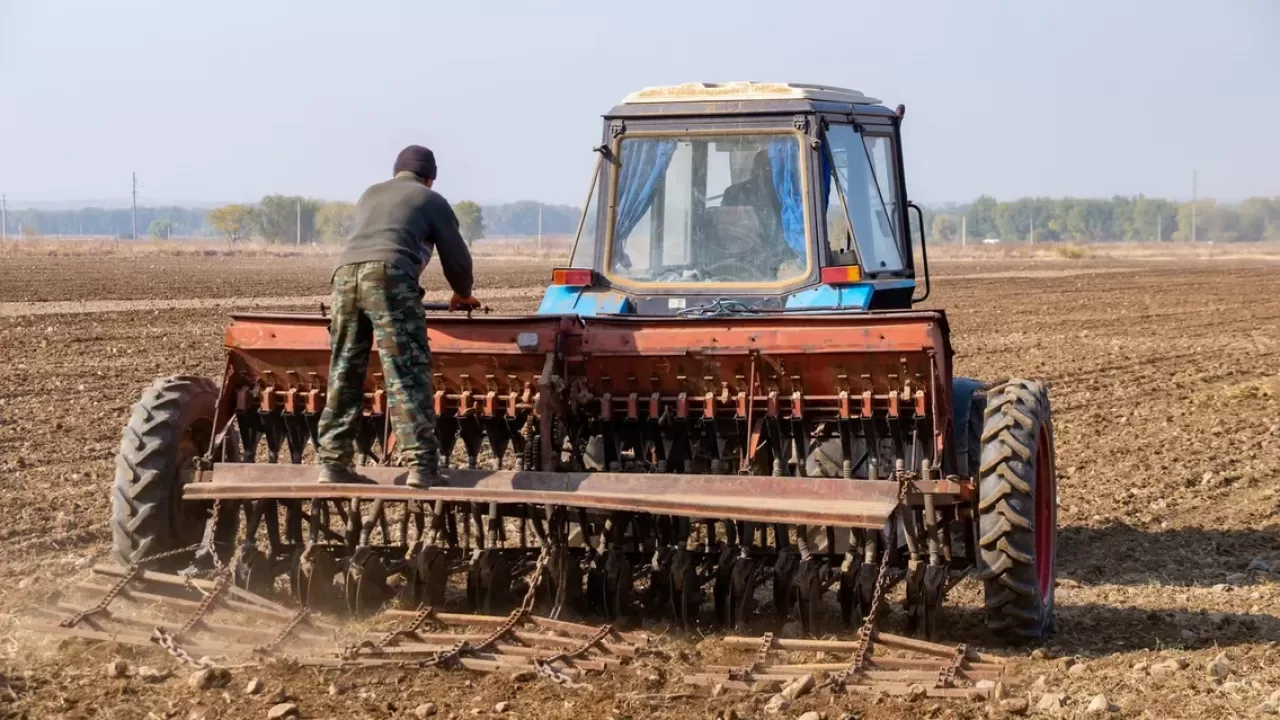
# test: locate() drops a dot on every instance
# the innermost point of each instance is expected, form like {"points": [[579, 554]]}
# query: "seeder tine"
{"points": [[273, 426], [295, 427], [499, 438], [250, 434]]}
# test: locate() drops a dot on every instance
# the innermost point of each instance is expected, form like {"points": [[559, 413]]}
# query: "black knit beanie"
{"points": [[417, 160]]}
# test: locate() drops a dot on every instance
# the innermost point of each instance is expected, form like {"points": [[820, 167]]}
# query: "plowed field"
{"points": [[1164, 378]]}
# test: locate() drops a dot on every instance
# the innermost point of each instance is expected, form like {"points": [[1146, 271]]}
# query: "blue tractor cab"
{"points": [[743, 196]]}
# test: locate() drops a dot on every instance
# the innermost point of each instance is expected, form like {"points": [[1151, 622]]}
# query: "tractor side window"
{"points": [[880, 149], [864, 194]]}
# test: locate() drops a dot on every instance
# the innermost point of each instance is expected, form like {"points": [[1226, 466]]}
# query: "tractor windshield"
{"points": [[709, 208], [864, 169]]}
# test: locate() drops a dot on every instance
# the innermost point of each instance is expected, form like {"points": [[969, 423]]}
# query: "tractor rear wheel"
{"points": [[170, 426], [1018, 511]]}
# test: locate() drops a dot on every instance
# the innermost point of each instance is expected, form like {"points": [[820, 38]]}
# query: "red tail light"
{"points": [[571, 276], [843, 275]]}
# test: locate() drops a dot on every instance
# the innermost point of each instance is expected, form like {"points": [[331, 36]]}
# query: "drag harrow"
{"points": [[921, 667], [207, 622]]}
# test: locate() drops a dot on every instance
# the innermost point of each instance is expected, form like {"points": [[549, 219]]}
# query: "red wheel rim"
{"points": [[1045, 516]]}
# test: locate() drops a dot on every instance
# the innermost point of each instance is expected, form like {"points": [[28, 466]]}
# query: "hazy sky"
{"points": [[225, 100]]}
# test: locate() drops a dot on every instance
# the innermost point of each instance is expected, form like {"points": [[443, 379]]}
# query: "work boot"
{"points": [[423, 478], [330, 475]]}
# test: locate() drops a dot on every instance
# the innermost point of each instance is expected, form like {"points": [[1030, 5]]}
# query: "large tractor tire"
{"points": [[1018, 511], [169, 427]]}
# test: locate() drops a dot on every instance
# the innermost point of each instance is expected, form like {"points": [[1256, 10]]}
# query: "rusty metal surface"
{"points": [[817, 501]]}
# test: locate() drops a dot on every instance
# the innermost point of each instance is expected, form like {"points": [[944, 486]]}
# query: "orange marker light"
{"points": [[576, 277], [842, 275]]}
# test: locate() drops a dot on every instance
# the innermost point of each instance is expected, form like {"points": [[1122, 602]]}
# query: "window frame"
{"points": [[875, 126]]}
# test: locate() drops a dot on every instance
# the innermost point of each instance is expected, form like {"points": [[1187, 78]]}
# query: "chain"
{"points": [[426, 614], [544, 669], [219, 586], [162, 638], [446, 658], [284, 633], [866, 632], [526, 606], [133, 572], [208, 542], [743, 673], [512, 620], [947, 675]]}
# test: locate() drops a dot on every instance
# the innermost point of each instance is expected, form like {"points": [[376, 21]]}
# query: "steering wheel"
{"points": [[747, 272]]}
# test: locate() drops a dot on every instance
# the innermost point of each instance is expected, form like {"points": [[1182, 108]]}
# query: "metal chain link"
{"points": [[208, 542], [947, 675], [526, 606], [866, 632], [743, 674], [301, 616], [111, 594], [219, 587], [162, 638]]}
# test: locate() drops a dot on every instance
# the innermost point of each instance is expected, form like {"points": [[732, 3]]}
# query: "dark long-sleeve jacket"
{"points": [[401, 222]]}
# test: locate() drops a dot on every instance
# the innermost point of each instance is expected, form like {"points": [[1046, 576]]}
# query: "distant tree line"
{"points": [[288, 219], [115, 222], [1098, 220]]}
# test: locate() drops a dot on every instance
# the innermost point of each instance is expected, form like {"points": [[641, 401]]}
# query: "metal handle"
{"points": [[924, 251]]}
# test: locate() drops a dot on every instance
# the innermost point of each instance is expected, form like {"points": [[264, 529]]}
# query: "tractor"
{"points": [[727, 405]]}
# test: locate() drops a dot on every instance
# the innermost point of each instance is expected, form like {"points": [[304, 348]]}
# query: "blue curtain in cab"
{"points": [[644, 162], [784, 156]]}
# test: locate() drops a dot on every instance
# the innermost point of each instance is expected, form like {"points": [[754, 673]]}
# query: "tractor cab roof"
{"points": [[744, 98]]}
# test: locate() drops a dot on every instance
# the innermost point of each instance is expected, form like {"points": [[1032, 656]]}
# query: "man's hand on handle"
{"points": [[457, 302]]}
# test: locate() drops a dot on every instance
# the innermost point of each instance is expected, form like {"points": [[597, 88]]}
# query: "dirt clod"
{"points": [[811, 715], [524, 676], [119, 668], [501, 707], [1015, 706], [1052, 703], [281, 711], [1099, 704], [425, 710], [146, 673], [1219, 667], [254, 686], [209, 678]]}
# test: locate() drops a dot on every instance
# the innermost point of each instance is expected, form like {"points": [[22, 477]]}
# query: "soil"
{"points": [[1166, 401]]}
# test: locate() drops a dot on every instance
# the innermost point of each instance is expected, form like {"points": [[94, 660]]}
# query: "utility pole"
{"points": [[1031, 230], [539, 228], [135, 206], [964, 229], [1159, 228], [1193, 206], [298, 204]]}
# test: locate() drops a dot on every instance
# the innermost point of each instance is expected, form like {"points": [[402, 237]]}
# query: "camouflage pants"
{"points": [[374, 301]]}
